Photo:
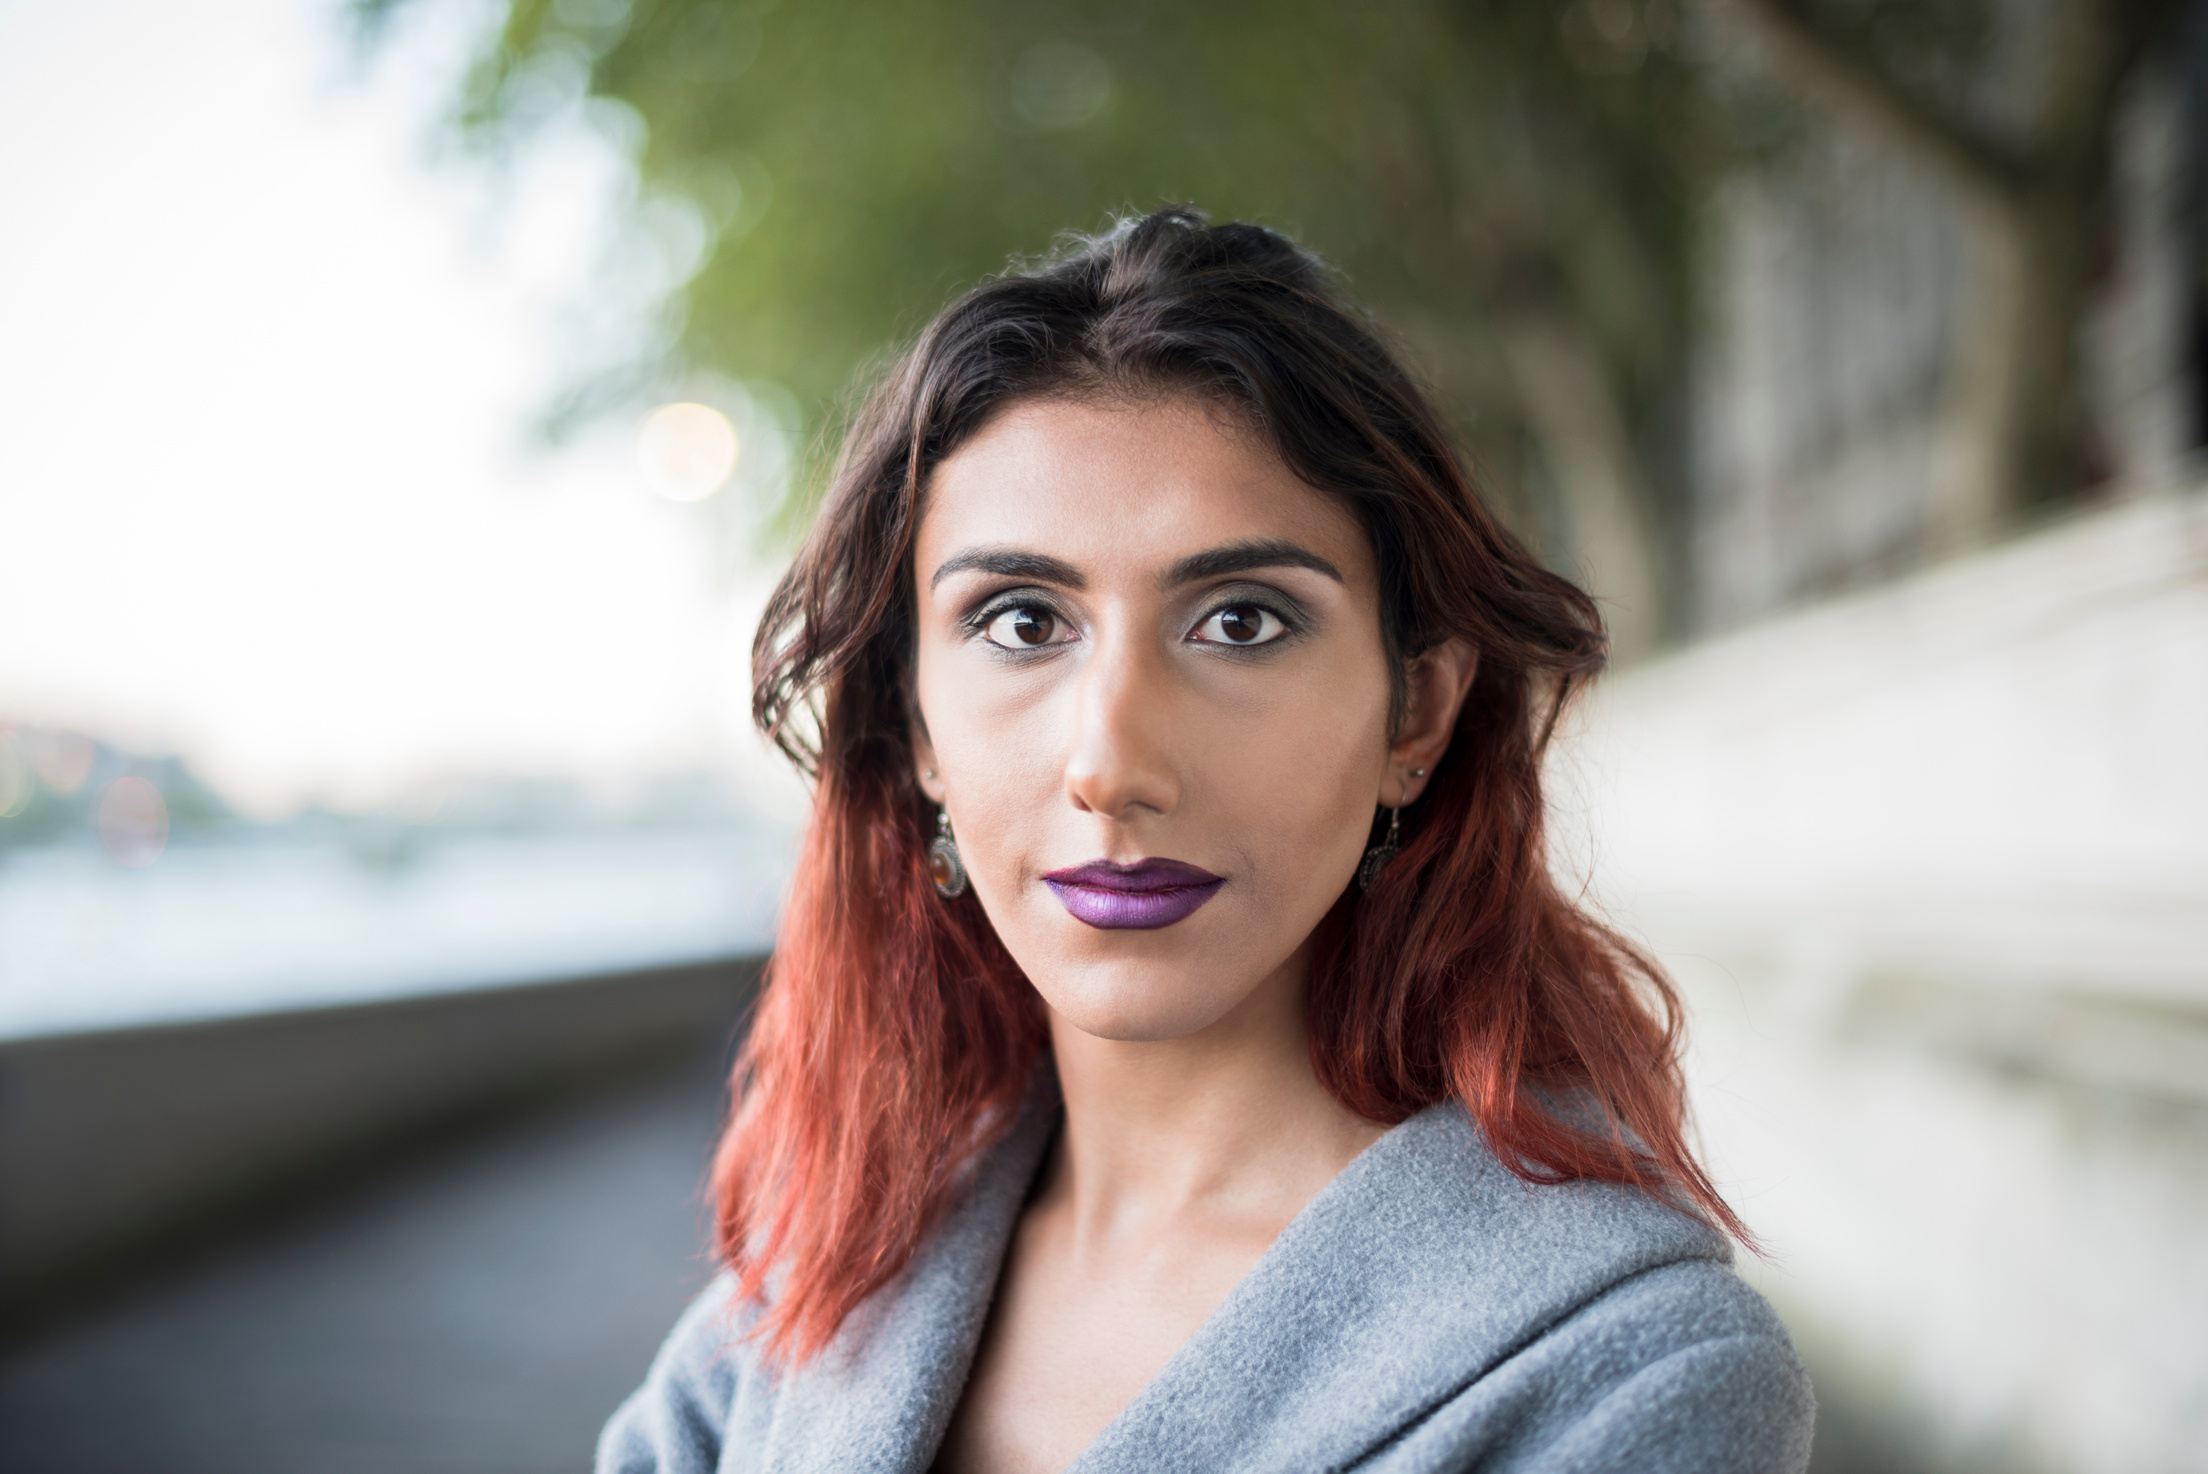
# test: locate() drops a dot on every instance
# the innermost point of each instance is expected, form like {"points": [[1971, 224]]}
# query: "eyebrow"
{"points": [[1238, 557], [1010, 563], [1270, 552]]}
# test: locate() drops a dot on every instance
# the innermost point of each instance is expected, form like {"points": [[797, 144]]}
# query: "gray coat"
{"points": [[1426, 1311]]}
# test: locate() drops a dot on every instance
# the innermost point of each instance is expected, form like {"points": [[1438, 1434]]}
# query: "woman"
{"points": [[1177, 1054]]}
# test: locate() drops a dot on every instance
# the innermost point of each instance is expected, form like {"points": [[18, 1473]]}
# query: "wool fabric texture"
{"points": [[1427, 1311]]}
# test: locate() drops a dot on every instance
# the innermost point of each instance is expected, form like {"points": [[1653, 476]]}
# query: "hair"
{"points": [[895, 1037]]}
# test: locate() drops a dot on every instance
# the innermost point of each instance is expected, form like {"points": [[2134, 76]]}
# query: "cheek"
{"points": [[1300, 776], [998, 751]]}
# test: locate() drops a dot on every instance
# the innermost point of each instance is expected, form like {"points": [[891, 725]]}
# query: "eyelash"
{"points": [[1290, 626], [977, 623]]}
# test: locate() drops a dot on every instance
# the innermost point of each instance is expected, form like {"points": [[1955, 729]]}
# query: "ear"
{"points": [[925, 771], [1437, 683]]}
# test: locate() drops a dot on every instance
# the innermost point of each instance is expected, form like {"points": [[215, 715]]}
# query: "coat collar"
{"points": [[1425, 1255]]}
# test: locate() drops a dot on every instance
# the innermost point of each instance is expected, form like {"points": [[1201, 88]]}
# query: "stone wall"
{"points": [[1930, 864]]}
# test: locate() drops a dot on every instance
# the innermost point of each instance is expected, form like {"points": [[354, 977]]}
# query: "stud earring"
{"points": [[1376, 858], [945, 867]]}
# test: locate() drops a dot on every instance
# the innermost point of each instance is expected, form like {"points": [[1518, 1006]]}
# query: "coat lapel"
{"points": [[1422, 1265], [879, 1399]]}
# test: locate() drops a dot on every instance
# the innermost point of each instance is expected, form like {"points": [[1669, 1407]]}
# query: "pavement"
{"points": [[481, 1307]]}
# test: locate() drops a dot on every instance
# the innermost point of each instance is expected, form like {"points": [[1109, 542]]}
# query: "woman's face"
{"points": [[1155, 701]]}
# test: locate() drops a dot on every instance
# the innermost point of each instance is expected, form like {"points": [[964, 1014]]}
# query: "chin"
{"points": [[1137, 1005]]}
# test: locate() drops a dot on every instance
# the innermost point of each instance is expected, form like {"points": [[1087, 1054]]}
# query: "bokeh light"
{"points": [[686, 451], [15, 778], [63, 760], [134, 821]]}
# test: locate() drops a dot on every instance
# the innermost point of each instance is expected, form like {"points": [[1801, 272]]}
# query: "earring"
{"points": [[945, 867], [1376, 858]]}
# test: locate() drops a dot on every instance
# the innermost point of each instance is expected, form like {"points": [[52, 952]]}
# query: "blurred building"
{"points": [[1844, 276]]}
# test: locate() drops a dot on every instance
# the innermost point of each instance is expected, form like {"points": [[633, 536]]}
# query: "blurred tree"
{"points": [[2014, 106], [1511, 184]]}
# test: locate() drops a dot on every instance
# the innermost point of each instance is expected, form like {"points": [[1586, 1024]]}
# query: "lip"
{"points": [[1140, 897]]}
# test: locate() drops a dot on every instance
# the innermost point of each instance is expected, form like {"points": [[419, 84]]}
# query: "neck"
{"points": [[1228, 1125]]}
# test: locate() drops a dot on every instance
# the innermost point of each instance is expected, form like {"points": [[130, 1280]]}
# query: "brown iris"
{"points": [[1242, 623]]}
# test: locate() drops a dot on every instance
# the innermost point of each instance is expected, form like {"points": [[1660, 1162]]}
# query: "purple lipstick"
{"points": [[1139, 897]]}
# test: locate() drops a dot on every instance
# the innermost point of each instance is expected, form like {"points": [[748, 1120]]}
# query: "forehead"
{"points": [[1137, 486]]}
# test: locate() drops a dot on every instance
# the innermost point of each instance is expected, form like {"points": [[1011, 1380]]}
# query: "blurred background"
{"points": [[405, 406]]}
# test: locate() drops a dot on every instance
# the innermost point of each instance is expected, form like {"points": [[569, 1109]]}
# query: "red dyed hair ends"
{"points": [[895, 1037]]}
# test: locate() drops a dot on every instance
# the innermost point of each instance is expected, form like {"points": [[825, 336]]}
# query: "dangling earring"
{"points": [[1377, 857], [944, 865]]}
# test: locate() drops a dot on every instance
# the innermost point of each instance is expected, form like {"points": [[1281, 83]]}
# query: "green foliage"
{"points": [[1459, 160], [1939, 47]]}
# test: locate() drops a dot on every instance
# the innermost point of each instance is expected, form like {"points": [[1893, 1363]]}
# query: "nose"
{"points": [[1121, 762]]}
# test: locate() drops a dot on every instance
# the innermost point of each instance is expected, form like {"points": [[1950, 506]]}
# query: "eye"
{"points": [[1240, 624], [1025, 626]]}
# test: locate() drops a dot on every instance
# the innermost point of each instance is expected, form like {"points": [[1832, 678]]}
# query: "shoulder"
{"points": [[674, 1422], [1520, 1322], [1437, 1205], [887, 1380], [1680, 1367], [1430, 1310]]}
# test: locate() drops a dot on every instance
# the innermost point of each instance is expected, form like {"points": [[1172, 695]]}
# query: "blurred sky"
{"points": [[268, 493]]}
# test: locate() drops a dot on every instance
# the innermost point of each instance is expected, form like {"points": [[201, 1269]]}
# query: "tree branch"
{"points": [[1985, 168]]}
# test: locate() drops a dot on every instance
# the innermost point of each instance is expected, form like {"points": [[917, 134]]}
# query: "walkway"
{"points": [[479, 1310]]}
